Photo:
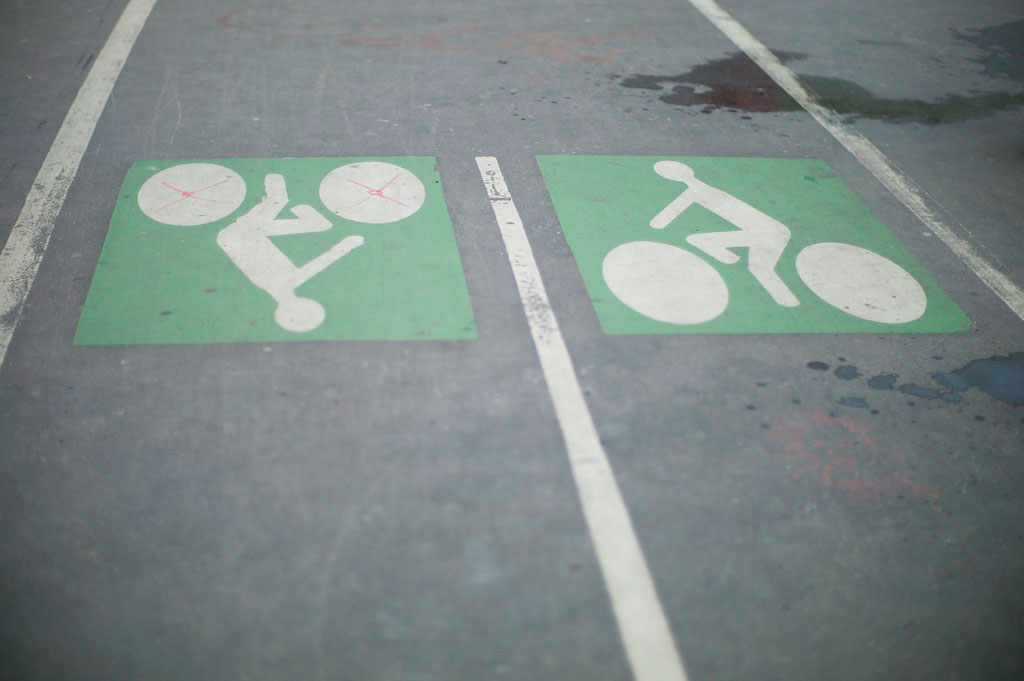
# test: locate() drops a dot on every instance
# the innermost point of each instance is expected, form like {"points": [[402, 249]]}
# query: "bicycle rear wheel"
{"points": [[665, 283]]}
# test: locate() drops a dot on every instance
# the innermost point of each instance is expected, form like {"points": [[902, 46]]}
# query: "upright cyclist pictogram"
{"points": [[855, 280], [741, 245]]}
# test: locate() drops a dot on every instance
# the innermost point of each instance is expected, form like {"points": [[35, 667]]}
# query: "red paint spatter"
{"points": [[842, 454]]}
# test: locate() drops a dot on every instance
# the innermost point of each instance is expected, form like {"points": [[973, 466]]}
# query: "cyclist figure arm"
{"points": [[674, 209]]}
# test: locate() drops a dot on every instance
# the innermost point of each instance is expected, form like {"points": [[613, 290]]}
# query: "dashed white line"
{"points": [[902, 187], [26, 245], [644, 629]]}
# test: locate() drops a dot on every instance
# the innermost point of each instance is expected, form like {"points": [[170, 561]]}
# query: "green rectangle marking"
{"points": [[278, 249], [737, 245]]}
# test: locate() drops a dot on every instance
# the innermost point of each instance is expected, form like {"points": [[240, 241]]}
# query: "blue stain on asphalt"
{"points": [[883, 381], [999, 376], [929, 393]]}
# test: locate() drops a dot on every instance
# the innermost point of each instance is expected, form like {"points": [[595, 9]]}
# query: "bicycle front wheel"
{"points": [[861, 283]]}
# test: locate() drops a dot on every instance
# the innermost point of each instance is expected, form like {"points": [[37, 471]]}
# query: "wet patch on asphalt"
{"points": [[735, 83], [1004, 47], [1000, 377]]}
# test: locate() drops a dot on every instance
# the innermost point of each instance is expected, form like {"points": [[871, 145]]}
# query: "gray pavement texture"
{"points": [[405, 510]]}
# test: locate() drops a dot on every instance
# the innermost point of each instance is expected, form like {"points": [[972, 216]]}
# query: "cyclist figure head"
{"points": [[299, 314], [676, 171]]}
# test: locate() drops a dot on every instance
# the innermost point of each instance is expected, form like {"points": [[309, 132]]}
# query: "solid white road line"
{"points": [[641, 620], [20, 258], [864, 151]]}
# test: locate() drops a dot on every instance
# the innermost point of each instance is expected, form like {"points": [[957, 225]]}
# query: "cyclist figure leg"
{"points": [[247, 242], [763, 236]]}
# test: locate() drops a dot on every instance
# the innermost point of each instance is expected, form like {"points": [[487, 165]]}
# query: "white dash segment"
{"points": [[30, 235], [644, 629], [902, 187]]}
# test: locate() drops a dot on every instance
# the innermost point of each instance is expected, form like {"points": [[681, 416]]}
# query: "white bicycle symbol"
{"points": [[191, 194], [671, 284]]}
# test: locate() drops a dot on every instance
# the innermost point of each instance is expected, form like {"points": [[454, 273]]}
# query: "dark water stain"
{"points": [[736, 83], [847, 372], [1002, 377], [1004, 47], [858, 402], [817, 366], [855, 101], [883, 382]]}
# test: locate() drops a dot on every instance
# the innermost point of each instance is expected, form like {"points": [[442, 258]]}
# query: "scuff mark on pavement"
{"points": [[294, 21]]}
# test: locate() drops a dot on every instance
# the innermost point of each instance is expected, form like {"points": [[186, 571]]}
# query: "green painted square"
{"points": [[164, 277], [606, 204]]}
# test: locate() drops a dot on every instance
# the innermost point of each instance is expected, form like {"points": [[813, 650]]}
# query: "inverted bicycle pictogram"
{"points": [[193, 194]]}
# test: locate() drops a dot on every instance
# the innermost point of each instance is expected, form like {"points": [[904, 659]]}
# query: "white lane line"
{"points": [[20, 258], [864, 151], [641, 620]]}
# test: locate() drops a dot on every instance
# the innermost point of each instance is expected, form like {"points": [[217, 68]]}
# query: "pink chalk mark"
{"points": [[215, 184], [172, 203], [192, 195], [367, 188], [357, 203], [180, 191], [391, 199], [378, 192]]}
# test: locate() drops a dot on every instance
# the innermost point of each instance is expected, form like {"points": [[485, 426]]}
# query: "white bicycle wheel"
{"points": [[372, 192], [191, 194], [665, 283], [861, 283]]}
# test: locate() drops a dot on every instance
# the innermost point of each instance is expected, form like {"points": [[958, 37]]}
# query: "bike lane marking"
{"points": [[641, 620], [30, 236], [737, 245], [901, 186], [278, 249]]}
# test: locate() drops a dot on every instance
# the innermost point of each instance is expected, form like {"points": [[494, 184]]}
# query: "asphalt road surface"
{"points": [[469, 340]]}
